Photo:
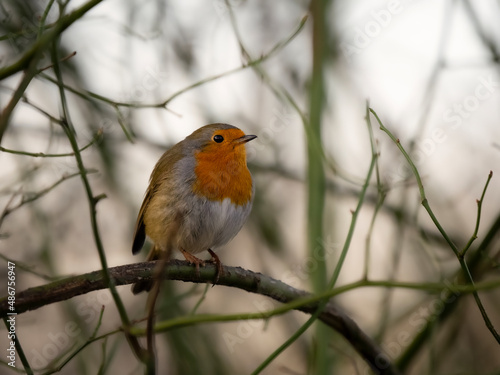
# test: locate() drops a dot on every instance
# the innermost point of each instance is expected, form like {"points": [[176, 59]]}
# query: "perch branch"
{"points": [[253, 282]]}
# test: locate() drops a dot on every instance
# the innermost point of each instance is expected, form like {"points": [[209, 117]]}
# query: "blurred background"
{"points": [[148, 73]]}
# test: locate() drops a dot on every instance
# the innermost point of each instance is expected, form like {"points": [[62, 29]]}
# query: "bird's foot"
{"points": [[218, 265], [193, 260]]}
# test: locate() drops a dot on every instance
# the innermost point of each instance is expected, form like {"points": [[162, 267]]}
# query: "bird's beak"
{"points": [[245, 139]]}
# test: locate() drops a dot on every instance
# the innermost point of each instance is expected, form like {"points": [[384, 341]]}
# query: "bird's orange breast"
{"points": [[221, 172]]}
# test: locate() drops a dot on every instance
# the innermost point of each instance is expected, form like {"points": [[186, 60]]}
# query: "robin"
{"points": [[199, 196]]}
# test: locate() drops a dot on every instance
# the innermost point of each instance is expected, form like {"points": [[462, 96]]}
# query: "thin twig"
{"points": [[29, 269], [478, 218], [88, 95], [42, 43], [29, 60], [333, 280], [43, 19], [31, 197], [200, 300], [425, 203], [151, 303], [474, 259], [60, 60], [59, 367], [97, 137], [381, 194], [93, 200], [28, 75], [423, 197]]}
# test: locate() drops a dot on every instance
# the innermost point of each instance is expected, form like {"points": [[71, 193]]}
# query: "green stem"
{"points": [[290, 340], [88, 95], [352, 227], [91, 339], [30, 59], [298, 304], [95, 139], [427, 207], [474, 262], [28, 75], [43, 19], [326, 295], [46, 39], [423, 198], [478, 218], [63, 289], [321, 363], [380, 195], [93, 200]]}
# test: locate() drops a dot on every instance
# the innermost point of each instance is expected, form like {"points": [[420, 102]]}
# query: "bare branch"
{"points": [[237, 277]]}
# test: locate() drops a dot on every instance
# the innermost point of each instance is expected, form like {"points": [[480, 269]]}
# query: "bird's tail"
{"points": [[146, 285]]}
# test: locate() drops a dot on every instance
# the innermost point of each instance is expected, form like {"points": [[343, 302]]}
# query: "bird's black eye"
{"points": [[218, 138]]}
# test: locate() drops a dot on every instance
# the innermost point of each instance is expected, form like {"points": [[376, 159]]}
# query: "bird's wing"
{"points": [[161, 172], [140, 228]]}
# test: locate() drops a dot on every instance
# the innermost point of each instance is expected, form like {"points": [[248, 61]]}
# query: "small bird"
{"points": [[199, 196]]}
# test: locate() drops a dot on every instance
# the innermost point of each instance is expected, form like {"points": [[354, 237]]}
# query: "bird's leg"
{"points": [[218, 265], [193, 260]]}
